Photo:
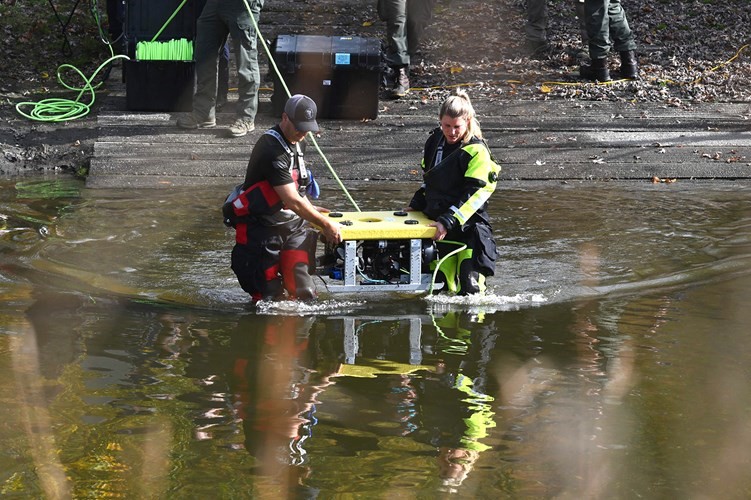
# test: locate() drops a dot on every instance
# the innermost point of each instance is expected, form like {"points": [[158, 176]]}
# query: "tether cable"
{"points": [[57, 109], [289, 94], [169, 20], [172, 50], [94, 7], [461, 247]]}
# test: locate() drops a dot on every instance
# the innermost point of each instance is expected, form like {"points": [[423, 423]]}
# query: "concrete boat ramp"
{"points": [[532, 140], [555, 138]]}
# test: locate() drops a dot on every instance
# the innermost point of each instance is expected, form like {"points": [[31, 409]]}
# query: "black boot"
{"points": [[401, 82], [537, 49], [597, 70], [629, 65]]}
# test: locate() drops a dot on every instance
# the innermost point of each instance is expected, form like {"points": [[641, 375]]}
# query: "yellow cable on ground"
{"points": [[711, 70], [286, 90]]}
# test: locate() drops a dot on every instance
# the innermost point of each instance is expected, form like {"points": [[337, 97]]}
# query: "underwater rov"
{"points": [[381, 251]]}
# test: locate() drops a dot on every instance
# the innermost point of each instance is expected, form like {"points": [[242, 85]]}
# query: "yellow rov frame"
{"points": [[385, 226]]}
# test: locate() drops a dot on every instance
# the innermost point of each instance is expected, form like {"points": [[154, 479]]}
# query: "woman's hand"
{"points": [[440, 231]]}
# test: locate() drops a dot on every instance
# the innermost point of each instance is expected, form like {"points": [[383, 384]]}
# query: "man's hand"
{"points": [[332, 232], [302, 207]]}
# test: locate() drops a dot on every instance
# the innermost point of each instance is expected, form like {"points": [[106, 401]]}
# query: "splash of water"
{"points": [[490, 302], [296, 307]]}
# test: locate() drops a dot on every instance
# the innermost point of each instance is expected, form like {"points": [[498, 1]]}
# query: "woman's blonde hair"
{"points": [[459, 106]]}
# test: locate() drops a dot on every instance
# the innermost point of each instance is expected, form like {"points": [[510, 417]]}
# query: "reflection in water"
{"points": [[610, 359], [275, 387], [282, 370], [458, 429], [37, 422]]}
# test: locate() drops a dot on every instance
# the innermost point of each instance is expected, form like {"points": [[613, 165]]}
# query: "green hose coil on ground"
{"points": [[57, 109]]}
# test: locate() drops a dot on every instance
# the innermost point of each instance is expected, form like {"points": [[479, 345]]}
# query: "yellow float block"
{"points": [[371, 368], [383, 225]]}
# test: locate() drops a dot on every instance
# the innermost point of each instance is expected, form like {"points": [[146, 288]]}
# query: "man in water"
{"points": [[274, 248]]}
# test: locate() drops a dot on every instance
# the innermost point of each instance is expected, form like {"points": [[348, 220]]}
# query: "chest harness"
{"points": [[261, 198]]}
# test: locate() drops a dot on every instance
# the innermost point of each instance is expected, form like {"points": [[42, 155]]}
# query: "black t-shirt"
{"points": [[270, 161]]}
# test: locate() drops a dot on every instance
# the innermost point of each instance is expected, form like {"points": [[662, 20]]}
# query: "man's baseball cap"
{"points": [[302, 110]]}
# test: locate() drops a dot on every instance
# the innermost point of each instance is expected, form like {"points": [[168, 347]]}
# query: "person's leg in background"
{"points": [[397, 56], [419, 13], [222, 88], [115, 21], [582, 55], [537, 44], [245, 45], [598, 32], [211, 33], [623, 40]]}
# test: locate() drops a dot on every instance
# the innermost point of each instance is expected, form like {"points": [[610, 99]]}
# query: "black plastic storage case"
{"points": [[158, 85], [340, 73]]}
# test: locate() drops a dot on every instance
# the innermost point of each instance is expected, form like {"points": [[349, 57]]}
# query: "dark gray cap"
{"points": [[302, 110]]}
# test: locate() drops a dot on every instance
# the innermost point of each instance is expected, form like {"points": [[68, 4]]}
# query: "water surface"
{"points": [[609, 359]]}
